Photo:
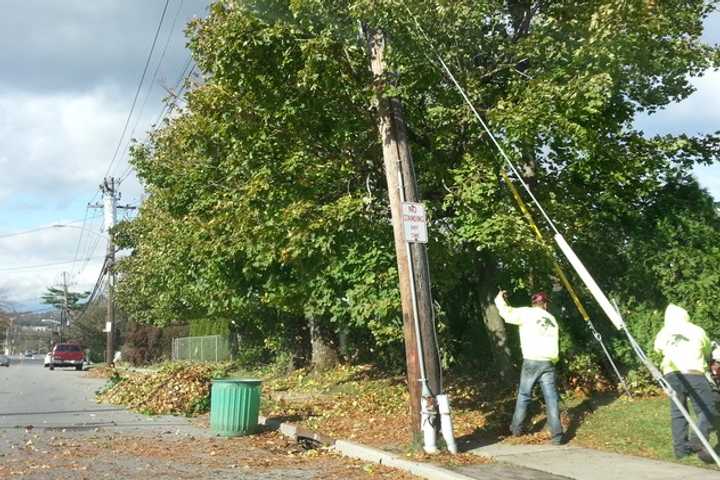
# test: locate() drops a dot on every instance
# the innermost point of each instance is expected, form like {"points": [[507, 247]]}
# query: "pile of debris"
{"points": [[177, 388]]}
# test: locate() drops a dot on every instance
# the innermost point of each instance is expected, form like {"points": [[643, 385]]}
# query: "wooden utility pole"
{"points": [[65, 313], [400, 175], [110, 325], [110, 207]]}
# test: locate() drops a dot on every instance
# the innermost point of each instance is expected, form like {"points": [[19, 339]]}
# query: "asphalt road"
{"points": [[51, 428], [31, 395]]}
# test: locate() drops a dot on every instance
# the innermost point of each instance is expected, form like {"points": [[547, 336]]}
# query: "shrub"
{"points": [[583, 373]]}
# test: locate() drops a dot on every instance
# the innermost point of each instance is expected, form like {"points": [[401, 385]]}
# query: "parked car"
{"points": [[4, 361], [46, 361], [67, 355]]}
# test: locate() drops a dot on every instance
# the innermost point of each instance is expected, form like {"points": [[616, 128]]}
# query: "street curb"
{"points": [[365, 453], [369, 454]]}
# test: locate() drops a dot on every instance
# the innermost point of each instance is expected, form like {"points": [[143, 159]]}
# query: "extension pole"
{"points": [[420, 348], [563, 279]]}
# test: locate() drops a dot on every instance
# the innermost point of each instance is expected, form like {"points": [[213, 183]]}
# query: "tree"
{"points": [[267, 201], [60, 299]]}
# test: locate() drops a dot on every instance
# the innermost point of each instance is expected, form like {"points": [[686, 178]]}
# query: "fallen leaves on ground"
{"points": [[361, 404], [103, 371], [179, 388], [163, 455]]}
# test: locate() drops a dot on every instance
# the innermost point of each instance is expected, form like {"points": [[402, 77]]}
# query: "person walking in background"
{"points": [[686, 349], [539, 345]]}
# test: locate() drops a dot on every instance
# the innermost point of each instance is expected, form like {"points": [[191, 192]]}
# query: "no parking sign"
{"points": [[414, 222]]}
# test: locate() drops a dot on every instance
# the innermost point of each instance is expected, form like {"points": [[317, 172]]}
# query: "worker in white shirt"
{"points": [[686, 350], [539, 344]]}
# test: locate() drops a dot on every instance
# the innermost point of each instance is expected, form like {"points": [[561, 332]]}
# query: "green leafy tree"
{"points": [[58, 298], [268, 204]]}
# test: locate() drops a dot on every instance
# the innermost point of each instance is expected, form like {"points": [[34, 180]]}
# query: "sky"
{"points": [[70, 71]]}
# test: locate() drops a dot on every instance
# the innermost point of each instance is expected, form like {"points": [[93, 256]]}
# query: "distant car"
{"points": [[28, 355], [4, 361], [48, 358], [67, 355]]}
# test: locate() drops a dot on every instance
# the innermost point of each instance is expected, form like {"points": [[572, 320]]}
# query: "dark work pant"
{"points": [[544, 372], [698, 389]]}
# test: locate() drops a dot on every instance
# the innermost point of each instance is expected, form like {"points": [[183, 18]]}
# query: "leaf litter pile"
{"points": [[362, 404], [358, 403], [177, 388]]}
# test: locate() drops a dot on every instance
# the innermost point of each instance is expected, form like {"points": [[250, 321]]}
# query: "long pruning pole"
{"points": [[610, 310], [563, 278]]}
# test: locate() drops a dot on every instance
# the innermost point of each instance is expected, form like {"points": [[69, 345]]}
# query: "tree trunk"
{"points": [[497, 334], [297, 336], [324, 345]]}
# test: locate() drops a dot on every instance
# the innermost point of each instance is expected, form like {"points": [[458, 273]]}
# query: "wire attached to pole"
{"points": [[611, 310], [564, 280]]}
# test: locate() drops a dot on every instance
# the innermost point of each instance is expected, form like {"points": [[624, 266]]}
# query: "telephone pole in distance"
{"points": [[110, 207]]}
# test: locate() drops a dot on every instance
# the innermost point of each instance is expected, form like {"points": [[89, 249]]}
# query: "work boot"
{"points": [[694, 445], [705, 456]]}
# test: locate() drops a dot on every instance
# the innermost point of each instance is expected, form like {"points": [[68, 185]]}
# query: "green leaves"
{"points": [[268, 202]]}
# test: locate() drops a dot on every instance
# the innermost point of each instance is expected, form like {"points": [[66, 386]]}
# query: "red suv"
{"points": [[67, 355]]}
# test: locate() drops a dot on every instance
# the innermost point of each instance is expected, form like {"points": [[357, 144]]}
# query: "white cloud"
{"points": [[56, 144], [27, 262], [697, 114]]}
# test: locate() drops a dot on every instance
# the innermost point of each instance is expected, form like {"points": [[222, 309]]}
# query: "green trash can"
{"points": [[234, 406]]}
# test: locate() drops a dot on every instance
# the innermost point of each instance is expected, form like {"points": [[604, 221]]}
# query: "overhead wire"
{"points": [[168, 106], [139, 88], [89, 251], [80, 239], [95, 290], [39, 229], [36, 267], [151, 84], [89, 256]]}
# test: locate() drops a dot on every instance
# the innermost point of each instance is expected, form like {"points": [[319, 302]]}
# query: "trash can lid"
{"points": [[236, 380]]}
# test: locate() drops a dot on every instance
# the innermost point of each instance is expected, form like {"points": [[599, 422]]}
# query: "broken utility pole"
{"points": [[412, 258]]}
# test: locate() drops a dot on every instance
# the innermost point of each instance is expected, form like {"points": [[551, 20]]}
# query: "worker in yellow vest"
{"points": [[539, 345], [686, 350]]}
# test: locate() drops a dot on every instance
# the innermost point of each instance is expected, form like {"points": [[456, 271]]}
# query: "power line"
{"points": [[82, 233], [168, 107], [40, 229], [88, 255], [40, 266], [138, 117], [102, 276], [139, 87], [177, 91]]}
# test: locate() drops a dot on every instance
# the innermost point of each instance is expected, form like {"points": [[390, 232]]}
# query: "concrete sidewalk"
{"points": [[515, 462], [586, 464]]}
